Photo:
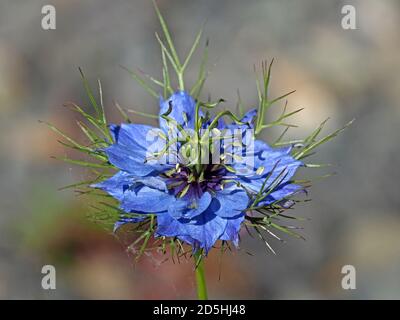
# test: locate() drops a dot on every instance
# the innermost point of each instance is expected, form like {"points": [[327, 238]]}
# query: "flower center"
{"points": [[183, 181]]}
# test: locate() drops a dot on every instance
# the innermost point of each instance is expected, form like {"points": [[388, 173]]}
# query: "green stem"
{"points": [[180, 82], [200, 277]]}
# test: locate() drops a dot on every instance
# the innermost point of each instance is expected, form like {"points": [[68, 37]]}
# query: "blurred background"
{"points": [[342, 74]]}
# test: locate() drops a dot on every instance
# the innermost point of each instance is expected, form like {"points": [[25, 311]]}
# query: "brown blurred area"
{"points": [[341, 74]]}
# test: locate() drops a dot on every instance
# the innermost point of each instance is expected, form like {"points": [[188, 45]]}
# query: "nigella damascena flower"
{"points": [[198, 194], [195, 179]]}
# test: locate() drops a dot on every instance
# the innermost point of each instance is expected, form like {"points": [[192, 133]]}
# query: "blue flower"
{"points": [[198, 204]]}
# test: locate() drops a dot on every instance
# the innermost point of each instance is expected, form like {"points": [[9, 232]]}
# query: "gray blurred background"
{"points": [[342, 74]]}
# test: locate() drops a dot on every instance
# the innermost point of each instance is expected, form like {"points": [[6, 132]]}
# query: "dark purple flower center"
{"points": [[183, 181]]}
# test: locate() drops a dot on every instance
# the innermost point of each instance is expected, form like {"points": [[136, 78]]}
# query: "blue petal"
{"points": [[249, 116], [123, 181], [134, 148], [146, 200], [189, 208], [124, 220], [134, 135], [183, 110], [284, 191], [201, 232], [128, 160], [280, 171], [114, 130], [248, 120], [230, 202], [220, 123], [152, 182], [232, 229], [116, 185], [274, 164]]}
